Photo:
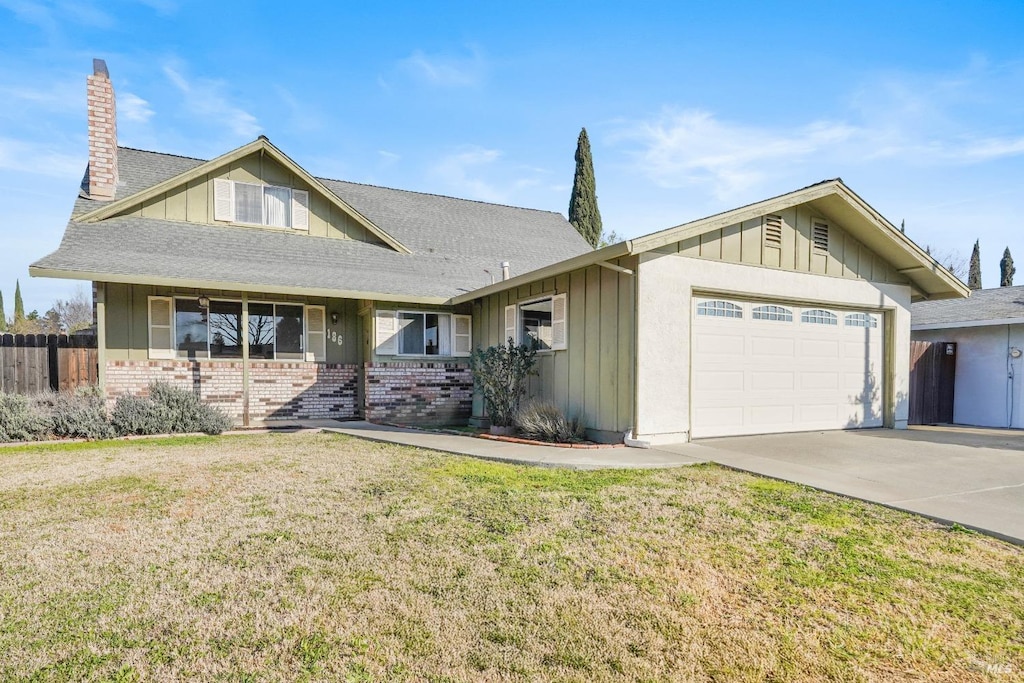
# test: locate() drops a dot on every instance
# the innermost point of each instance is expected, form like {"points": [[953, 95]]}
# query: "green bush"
{"points": [[79, 415], [167, 410], [545, 422], [21, 419], [500, 372]]}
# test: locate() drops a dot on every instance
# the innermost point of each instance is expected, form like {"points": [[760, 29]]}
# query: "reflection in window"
{"points": [[424, 334], [288, 331], [535, 321], [225, 329], [769, 312], [275, 331], [191, 333], [861, 320], [261, 331]]}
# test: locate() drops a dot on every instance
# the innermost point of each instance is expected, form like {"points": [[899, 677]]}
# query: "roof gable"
{"points": [[261, 148]]}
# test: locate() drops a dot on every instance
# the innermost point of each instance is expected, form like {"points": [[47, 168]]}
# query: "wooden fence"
{"points": [[32, 363], [932, 381]]}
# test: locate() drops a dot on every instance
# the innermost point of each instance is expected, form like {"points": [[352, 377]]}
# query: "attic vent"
{"points": [[773, 231], [819, 235]]}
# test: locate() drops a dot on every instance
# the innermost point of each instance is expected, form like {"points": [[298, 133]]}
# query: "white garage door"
{"points": [[767, 367]]}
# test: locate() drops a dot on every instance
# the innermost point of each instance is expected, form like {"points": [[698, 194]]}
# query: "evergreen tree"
{"points": [[974, 272], [19, 305], [583, 212], [3, 314], [1006, 270]]}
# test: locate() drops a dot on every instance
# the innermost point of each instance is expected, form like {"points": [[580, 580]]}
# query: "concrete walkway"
{"points": [[523, 454], [973, 477]]}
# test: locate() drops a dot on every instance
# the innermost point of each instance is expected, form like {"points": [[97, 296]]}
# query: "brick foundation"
{"points": [[418, 393], [276, 390]]}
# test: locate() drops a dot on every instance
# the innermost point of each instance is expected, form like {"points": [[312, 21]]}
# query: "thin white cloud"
{"points": [[387, 157], [39, 159], [446, 70], [680, 148], [206, 99], [131, 107], [462, 171], [302, 116]]}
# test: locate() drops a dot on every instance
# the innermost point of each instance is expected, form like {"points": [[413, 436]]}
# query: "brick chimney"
{"points": [[102, 133]]}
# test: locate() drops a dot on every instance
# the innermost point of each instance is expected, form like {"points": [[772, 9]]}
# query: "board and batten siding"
{"points": [[744, 243], [193, 201], [593, 376], [127, 318]]}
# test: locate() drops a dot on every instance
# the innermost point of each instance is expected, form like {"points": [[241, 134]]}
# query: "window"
{"points": [[861, 320], [271, 205], [773, 231], [276, 332], [423, 333], [818, 316], [719, 309], [819, 236], [181, 328], [769, 312], [541, 323]]}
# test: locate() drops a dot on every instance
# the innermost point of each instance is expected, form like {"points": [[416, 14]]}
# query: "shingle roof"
{"points": [[999, 303], [453, 241]]}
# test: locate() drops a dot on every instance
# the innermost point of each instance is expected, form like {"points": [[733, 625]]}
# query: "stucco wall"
{"points": [[984, 391], [666, 285]]}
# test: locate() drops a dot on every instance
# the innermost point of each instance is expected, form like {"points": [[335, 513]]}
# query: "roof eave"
{"points": [[40, 271], [582, 261]]}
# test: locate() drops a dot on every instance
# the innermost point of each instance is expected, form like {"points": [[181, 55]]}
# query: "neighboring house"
{"points": [[988, 329], [277, 294]]}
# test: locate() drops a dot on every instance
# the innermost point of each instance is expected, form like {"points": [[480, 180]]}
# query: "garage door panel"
{"points": [[760, 376]]}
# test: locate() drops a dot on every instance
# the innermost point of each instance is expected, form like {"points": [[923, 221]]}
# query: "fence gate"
{"points": [[932, 379]]}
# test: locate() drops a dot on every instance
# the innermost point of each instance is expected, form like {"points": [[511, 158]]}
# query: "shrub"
{"points": [[167, 410], [21, 419], [79, 415], [545, 422], [500, 372]]}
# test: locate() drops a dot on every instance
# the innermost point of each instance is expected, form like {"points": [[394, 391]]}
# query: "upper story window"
{"points": [[254, 204], [719, 309]]}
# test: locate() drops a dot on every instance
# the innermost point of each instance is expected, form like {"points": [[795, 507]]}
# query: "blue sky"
{"points": [[692, 108]]}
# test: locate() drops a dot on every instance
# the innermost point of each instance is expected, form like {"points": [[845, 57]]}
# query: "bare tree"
{"points": [[952, 259], [72, 315]]}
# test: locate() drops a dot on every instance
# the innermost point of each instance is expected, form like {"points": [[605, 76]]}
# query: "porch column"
{"points": [[245, 359]]}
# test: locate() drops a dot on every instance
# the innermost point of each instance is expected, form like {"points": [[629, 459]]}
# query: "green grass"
{"points": [[319, 557]]}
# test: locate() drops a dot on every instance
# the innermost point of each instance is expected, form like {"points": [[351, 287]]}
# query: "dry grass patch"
{"points": [[319, 557]]}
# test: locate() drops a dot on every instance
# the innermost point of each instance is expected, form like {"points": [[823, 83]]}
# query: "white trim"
{"points": [[154, 353], [967, 323], [456, 336], [311, 353], [511, 331]]}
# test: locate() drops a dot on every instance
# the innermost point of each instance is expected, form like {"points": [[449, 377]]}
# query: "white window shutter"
{"points": [[510, 325], [316, 334], [386, 333], [559, 316], [300, 210], [223, 200], [462, 335], [161, 327]]}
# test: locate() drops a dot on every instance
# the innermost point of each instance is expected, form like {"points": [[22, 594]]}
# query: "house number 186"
{"points": [[335, 337]]}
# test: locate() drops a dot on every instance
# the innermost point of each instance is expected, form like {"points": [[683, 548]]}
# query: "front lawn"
{"points": [[321, 557]]}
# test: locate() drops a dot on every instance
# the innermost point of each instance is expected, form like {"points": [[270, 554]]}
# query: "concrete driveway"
{"points": [[971, 476]]}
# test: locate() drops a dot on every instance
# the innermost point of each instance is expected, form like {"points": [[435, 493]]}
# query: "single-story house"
{"points": [[988, 330], [279, 294]]}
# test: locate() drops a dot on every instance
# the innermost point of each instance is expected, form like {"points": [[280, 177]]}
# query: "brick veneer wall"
{"points": [[276, 390], [418, 393]]}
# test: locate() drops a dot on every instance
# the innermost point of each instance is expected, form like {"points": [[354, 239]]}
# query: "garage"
{"points": [[766, 366]]}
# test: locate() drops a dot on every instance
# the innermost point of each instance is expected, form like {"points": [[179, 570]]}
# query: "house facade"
{"points": [[988, 330], [276, 294]]}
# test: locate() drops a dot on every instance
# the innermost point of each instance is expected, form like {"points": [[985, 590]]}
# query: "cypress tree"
{"points": [[1006, 270], [583, 212], [3, 314], [19, 305], [974, 274]]}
